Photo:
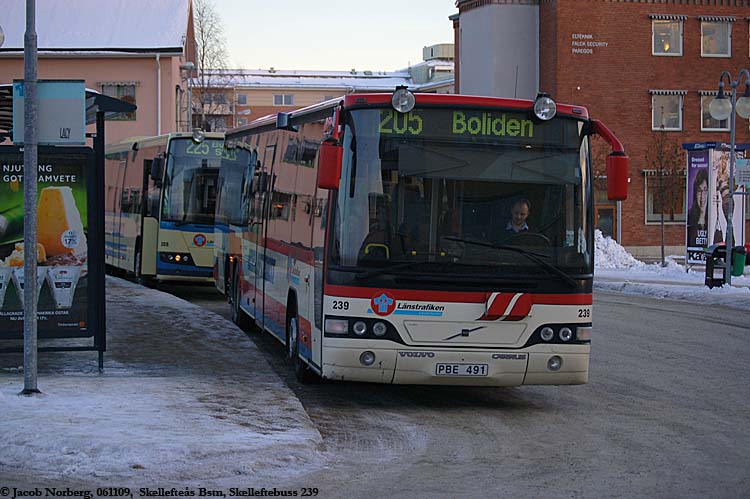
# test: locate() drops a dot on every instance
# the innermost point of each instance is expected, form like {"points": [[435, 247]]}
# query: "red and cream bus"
{"points": [[378, 244]]}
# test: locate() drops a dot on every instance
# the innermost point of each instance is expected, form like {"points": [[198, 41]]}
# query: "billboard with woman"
{"points": [[697, 199]]}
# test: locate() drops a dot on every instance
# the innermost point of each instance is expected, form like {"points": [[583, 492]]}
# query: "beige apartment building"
{"points": [[130, 49], [224, 99]]}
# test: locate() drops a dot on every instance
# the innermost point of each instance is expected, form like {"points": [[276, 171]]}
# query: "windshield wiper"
{"points": [[534, 257]]}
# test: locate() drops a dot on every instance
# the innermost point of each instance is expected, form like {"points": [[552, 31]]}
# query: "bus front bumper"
{"points": [[442, 367]]}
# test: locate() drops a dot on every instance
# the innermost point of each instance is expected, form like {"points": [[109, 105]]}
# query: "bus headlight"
{"points": [[544, 107], [337, 326], [566, 334], [547, 333], [359, 328], [379, 329], [583, 333], [403, 101]]}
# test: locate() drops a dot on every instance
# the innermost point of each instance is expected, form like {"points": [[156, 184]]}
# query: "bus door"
{"points": [[153, 173], [116, 253], [263, 269]]}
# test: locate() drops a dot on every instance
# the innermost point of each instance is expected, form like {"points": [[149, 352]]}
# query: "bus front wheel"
{"points": [[302, 371], [238, 315]]}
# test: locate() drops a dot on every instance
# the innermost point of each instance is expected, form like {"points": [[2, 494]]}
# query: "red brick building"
{"points": [[637, 65]]}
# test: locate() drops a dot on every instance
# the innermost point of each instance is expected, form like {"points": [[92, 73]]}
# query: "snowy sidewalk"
{"points": [[185, 398], [617, 270]]}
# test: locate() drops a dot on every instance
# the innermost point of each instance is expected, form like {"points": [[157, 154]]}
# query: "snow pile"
{"points": [[617, 270], [610, 255]]}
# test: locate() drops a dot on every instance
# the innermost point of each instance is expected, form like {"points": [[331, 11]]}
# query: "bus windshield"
{"points": [[463, 192], [235, 179], [191, 179]]}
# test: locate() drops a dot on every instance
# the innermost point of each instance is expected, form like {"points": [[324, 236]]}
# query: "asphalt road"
{"points": [[665, 414]]}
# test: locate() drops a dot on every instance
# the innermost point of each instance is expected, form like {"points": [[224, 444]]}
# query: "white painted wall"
{"points": [[499, 51]]}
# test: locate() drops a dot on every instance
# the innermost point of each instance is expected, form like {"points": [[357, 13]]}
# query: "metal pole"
{"points": [[190, 101], [30, 162], [730, 228]]}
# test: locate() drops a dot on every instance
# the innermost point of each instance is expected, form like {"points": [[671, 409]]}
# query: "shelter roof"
{"points": [[95, 102]]}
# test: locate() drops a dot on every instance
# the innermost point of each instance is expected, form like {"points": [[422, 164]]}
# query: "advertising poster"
{"points": [[697, 201], [719, 201], [62, 249]]}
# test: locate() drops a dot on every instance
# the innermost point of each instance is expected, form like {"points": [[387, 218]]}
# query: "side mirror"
{"points": [[617, 163], [329, 165], [617, 177], [157, 169]]}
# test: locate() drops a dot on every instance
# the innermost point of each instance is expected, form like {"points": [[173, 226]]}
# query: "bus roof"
{"points": [[127, 144], [353, 101]]}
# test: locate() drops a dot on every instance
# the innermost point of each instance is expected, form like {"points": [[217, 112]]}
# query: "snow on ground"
{"points": [[185, 398], [618, 270]]}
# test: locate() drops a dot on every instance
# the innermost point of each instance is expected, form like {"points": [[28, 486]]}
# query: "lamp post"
{"points": [[188, 67], [720, 109]]}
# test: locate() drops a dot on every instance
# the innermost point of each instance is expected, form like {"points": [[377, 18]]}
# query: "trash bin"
{"points": [[739, 255], [715, 255]]}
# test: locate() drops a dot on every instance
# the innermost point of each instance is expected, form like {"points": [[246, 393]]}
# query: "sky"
{"points": [[379, 35]]}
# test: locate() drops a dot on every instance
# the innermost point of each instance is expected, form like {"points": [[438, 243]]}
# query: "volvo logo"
{"points": [[417, 354]]}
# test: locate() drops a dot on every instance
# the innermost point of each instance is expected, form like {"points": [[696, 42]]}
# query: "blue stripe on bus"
{"points": [[186, 227], [412, 312], [186, 270]]}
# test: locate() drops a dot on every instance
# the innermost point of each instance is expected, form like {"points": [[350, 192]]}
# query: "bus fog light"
{"points": [[359, 328], [367, 358], [554, 363], [403, 101], [566, 334], [337, 326], [584, 333], [546, 333], [379, 329], [544, 107]]}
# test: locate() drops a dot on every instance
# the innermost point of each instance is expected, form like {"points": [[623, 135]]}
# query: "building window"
{"points": [[214, 98], [280, 204], [667, 37], [716, 39], [242, 99], [124, 92], [283, 100], [709, 124], [242, 122], [666, 112], [673, 202]]}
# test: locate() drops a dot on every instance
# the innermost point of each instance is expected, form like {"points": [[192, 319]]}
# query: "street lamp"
{"points": [[188, 67], [721, 109]]}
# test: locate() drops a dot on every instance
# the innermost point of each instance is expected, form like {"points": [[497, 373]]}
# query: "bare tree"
{"points": [[211, 63], [665, 155]]}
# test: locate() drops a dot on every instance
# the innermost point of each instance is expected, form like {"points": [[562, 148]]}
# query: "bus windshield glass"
{"points": [[235, 179], [482, 192], [191, 180]]}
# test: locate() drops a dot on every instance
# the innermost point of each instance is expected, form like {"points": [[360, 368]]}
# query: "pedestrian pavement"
{"points": [[185, 398]]}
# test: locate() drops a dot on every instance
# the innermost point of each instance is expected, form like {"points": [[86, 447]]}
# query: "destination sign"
{"points": [[208, 148], [478, 125]]}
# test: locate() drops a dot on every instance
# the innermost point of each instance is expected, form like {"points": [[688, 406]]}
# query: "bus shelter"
{"points": [[70, 253]]}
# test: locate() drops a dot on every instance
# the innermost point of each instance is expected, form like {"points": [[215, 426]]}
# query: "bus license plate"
{"points": [[461, 369]]}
